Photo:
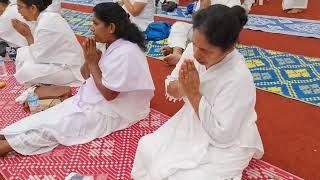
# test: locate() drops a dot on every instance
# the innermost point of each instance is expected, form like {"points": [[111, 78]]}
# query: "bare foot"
{"points": [[5, 148], [172, 59], [295, 11], [167, 50]]}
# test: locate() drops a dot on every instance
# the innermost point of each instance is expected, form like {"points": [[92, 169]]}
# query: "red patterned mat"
{"points": [[106, 158]]}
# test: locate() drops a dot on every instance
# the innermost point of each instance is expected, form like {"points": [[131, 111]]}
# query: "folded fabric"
{"points": [[158, 31]]}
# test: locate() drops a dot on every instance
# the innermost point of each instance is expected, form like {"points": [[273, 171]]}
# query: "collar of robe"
{"points": [[113, 45]]}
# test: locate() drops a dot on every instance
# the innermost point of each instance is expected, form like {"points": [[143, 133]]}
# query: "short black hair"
{"points": [[40, 4], [220, 24], [113, 13]]}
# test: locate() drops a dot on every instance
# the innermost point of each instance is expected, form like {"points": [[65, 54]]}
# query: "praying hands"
{"points": [[23, 29], [190, 83]]}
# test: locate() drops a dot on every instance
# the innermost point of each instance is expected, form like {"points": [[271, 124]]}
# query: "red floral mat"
{"points": [[105, 158]]}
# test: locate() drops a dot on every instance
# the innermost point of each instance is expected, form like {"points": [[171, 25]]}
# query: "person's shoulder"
{"points": [[131, 47]]}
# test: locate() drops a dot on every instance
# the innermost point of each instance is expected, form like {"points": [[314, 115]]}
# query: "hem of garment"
{"points": [[22, 152]]}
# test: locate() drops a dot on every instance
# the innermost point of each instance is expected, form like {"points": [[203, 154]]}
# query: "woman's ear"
{"points": [[34, 9], [112, 28]]}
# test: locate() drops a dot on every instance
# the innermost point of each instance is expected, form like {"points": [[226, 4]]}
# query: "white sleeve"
{"points": [[115, 74], [187, 54], [126, 71], [222, 118], [45, 43], [178, 36]]}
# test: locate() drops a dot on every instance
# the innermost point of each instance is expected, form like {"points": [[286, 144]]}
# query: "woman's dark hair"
{"points": [[41, 4], [6, 2], [113, 13], [220, 24]]}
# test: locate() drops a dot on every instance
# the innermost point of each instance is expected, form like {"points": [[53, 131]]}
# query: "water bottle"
{"points": [[3, 70], [34, 103], [158, 7]]}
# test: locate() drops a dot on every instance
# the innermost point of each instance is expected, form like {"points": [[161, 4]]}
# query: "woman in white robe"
{"points": [[116, 94], [214, 135], [181, 32], [9, 11], [53, 55], [141, 12], [294, 6]]}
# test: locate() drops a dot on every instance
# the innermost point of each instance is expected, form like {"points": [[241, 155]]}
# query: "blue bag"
{"points": [[158, 31]]}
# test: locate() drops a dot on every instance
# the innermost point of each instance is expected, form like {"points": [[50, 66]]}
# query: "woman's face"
{"points": [[28, 13], [102, 33], [204, 52], [2, 8]]}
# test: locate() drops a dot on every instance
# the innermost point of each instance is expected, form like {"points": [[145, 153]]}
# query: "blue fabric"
{"points": [[158, 31]]}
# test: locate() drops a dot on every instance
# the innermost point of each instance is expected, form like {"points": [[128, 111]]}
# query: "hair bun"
{"points": [[240, 13]]}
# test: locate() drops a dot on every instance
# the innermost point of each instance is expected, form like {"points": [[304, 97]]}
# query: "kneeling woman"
{"points": [[8, 11], [116, 94], [54, 56], [214, 135]]}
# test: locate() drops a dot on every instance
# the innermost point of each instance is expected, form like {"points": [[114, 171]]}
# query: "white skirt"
{"points": [[291, 4], [64, 124], [180, 150]]}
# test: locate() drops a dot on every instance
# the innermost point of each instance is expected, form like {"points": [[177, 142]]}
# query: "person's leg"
{"points": [[177, 42], [173, 58], [294, 6], [5, 148], [295, 11], [219, 164], [247, 4]]}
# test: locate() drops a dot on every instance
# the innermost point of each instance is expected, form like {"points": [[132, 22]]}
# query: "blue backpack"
{"points": [[157, 31]]}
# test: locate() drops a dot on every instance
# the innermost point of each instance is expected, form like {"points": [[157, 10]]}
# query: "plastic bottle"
{"points": [[3, 69], [158, 7], [34, 103]]}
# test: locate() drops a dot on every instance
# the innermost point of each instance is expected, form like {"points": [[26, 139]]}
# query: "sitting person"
{"points": [[8, 11], [141, 12], [181, 32], [214, 135], [294, 6], [53, 55], [116, 94]]}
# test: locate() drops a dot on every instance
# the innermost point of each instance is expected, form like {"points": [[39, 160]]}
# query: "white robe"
{"points": [[217, 145], [55, 6], [146, 15], [87, 115], [7, 32], [181, 32], [55, 57], [291, 4]]}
